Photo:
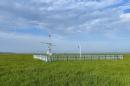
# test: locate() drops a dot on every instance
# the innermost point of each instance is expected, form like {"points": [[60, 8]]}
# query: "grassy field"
{"points": [[23, 70]]}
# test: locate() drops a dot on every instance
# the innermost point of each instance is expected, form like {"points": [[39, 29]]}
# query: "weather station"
{"points": [[49, 52]]}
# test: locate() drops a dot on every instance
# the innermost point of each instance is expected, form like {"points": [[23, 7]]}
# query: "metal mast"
{"points": [[49, 52], [50, 44]]}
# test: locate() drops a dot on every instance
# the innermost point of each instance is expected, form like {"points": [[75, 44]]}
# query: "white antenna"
{"points": [[50, 44], [80, 49]]}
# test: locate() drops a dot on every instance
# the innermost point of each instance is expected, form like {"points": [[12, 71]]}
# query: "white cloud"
{"points": [[125, 17], [62, 16]]}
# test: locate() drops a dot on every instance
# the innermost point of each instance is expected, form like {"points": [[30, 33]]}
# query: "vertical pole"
{"points": [[80, 51]]}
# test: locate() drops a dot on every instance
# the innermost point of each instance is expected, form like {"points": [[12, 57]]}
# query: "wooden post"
{"points": [[67, 58]]}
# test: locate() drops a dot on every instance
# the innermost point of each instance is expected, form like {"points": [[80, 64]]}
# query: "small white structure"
{"points": [[41, 57]]}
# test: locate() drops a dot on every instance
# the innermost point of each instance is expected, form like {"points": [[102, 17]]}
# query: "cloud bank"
{"points": [[89, 21]]}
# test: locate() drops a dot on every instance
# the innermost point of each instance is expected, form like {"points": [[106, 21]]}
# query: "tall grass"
{"points": [[23, 70]]}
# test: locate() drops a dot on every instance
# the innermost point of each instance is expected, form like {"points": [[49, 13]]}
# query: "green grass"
{"points": [[23, 70]]}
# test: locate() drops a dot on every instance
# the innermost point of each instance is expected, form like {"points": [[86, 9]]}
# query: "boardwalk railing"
{"points": [[76, 57]]}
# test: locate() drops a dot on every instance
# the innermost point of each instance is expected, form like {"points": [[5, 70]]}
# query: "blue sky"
{"points": [[99, 25]]}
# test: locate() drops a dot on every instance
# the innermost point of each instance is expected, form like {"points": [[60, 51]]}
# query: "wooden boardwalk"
{"points": [[76, 57]]}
